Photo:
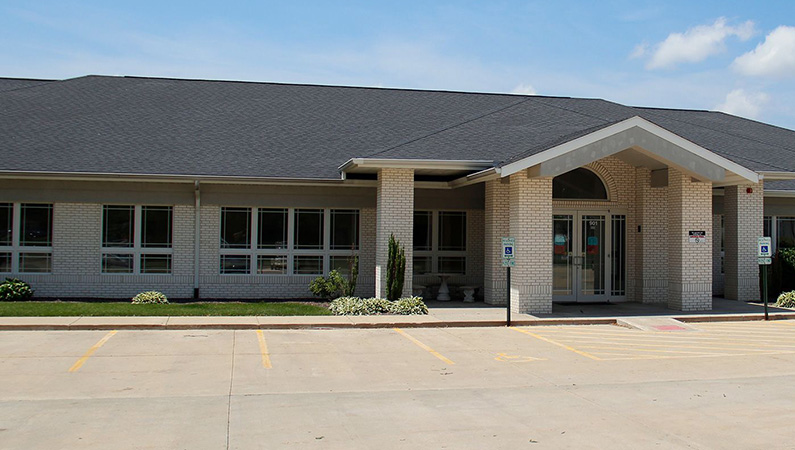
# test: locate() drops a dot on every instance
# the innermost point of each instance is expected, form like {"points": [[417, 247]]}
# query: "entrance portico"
{"points": [[620, 214]]}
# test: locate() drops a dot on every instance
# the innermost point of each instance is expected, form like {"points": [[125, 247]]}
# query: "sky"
{"points": [[736, 57]]}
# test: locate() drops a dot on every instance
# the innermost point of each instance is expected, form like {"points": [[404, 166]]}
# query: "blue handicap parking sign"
{"points": [[509, 250]]}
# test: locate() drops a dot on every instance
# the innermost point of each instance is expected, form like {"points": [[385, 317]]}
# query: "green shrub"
{"points": [[354, 306], [149, 297], [353, 276], [329, 287], [408, 306], [786, 300], [15, 290]]}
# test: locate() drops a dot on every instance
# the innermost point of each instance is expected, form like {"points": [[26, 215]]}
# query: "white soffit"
{"points": [[705, 165]]}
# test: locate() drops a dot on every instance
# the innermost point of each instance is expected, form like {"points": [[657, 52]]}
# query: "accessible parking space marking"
{"points": [[77, 365], [722, 340], [263, 348], [423, 346]]}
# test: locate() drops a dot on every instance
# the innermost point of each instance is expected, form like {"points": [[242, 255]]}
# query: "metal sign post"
{"points": [[764, 254], [508, 256]]}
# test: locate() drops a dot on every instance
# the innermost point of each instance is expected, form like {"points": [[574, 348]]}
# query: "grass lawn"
{"points": [[8, 309]]}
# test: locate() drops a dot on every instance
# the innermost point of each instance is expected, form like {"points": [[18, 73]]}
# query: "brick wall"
{"points": [[76, 262], [651, 257], [395, 215], [496, 226], [689, 264], [531, 226], [743, 221]]}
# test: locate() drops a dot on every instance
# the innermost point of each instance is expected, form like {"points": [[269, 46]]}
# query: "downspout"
{"points": [[197, 203]]}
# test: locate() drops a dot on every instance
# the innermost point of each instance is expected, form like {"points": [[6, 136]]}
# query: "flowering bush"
{"points": [[786, 300], [14, 290], [149, 297], [354, 306]]}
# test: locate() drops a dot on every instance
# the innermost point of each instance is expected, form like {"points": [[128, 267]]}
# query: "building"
{"points": [[211, 189]]}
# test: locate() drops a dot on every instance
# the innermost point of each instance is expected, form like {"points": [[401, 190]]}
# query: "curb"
{"points": [[379, 325]]}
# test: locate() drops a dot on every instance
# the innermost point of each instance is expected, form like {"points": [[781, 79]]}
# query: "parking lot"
{"points": [[727, 385]]}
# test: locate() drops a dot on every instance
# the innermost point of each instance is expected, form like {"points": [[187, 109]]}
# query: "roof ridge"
{"points": [[339, 86], [450, 127]]}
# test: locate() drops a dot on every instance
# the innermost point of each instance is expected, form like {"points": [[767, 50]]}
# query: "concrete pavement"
{"points": [[726, 386]]}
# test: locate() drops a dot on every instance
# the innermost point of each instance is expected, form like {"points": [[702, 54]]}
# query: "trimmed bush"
{"points": [[15, 290], [786, 300], [149, 297], [329, 287], [354, 306], [409, 306]]}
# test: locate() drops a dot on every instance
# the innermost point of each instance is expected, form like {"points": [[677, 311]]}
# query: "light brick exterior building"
{"points": [[621, 209]]}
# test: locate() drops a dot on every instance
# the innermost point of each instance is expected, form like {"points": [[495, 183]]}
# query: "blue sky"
{"points": [[734, 56]]}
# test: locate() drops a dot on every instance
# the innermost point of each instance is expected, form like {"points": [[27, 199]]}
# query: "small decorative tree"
{"points": [[395, 269], [353, 275]]}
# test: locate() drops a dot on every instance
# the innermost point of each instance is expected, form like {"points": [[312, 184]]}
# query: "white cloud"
{"points": [[774, 57], [697, 43], [524, 89], [742, 103]]}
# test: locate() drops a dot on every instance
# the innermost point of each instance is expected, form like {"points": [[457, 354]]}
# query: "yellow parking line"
{"points": [[645, 349], [571, 349], [77, 365], [263, 349], [423, 346], [722, 343]]}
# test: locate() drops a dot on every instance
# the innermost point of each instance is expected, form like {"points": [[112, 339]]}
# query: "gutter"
{"points": [[186, 179], [384, 163], [777, 175]]}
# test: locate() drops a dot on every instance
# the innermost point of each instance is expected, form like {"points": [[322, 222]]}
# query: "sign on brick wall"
{"points": [[697, 237]]}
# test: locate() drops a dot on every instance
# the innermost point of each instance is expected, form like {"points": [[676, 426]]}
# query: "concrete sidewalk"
{"points": [[449, 314]]}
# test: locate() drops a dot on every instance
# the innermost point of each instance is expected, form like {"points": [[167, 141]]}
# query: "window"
{"points": [[440, 242], [619, 250], [25, 238], [137, 239], [279, 241], [579, 184], [785, 232]]}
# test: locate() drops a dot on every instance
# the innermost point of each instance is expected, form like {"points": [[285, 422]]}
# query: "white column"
{"points": [[531, 226], [497, 226], [743, 221], [689, 263], [394, 215]]}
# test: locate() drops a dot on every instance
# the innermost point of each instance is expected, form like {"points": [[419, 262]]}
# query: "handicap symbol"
{"points": [[504, 357]]}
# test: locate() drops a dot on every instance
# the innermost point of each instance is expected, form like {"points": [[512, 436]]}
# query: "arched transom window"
{"points": [[579, 184]]}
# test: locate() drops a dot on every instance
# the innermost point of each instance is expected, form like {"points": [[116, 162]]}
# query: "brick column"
{"points": [[531, 225], [652, 251], [689, 264], [497, 226], [394, 215], [743, 221]]}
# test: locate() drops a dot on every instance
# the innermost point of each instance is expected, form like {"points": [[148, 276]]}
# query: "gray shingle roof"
{"points": [[8, 84], [103, 124]]}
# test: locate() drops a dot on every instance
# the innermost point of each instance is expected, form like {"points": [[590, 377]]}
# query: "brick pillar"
{"points": [[652, 252], [497, 226], [394, 215], [743, 221], [531, 225], [689, 264]]}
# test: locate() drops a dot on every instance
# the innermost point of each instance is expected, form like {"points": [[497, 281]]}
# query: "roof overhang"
{"points": [[642, 136], [420, 166]]}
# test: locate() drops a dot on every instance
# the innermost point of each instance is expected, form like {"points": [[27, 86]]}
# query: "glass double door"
{"points": [[588, 257]]}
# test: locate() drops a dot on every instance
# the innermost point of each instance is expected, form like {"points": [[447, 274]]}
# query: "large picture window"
{"points": [[280, 241], [137, 239], [25, 238], [440, 242]]}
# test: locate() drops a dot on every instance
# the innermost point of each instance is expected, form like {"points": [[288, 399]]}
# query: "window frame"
{"points": [[16, 249], [434, 253], [136, 250], [253, 253]]}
